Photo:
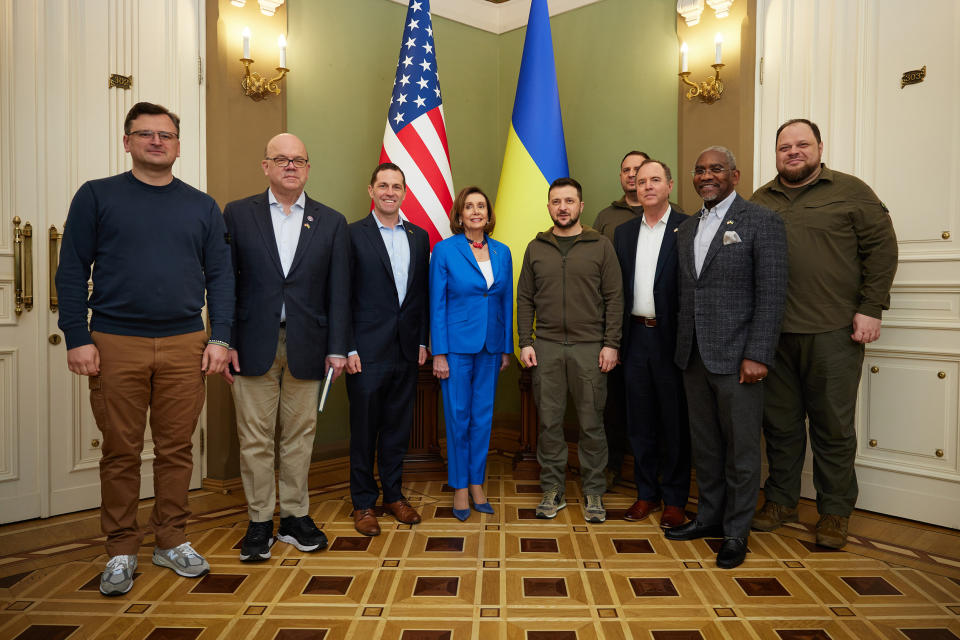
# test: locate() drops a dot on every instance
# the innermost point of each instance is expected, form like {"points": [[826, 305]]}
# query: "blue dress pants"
{"points": [[468, 410]]}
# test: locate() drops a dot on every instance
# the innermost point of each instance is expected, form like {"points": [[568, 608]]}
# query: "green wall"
{"points": [[616, 71]]}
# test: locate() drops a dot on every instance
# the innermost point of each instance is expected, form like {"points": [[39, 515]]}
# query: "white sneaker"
{"points": [[183, 560], [117, 578]]}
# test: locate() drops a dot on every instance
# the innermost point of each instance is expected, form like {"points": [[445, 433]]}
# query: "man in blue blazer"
{"points": [[733, 287], [290, 260], [389, 263], [656, 407]]}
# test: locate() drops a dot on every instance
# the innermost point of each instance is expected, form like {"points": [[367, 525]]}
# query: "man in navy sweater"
{"points": [[156, 246]]}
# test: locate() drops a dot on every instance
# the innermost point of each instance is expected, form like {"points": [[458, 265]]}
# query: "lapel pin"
{"points": [[675, 229], [729, 221], [306, 225], [310, 218]]}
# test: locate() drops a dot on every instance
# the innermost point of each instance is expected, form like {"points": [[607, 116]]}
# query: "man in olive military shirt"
{"points": [[843, 257], [615, 413]]}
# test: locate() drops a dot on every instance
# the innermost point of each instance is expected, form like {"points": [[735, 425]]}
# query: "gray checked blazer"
{"points": [[733, 310]]}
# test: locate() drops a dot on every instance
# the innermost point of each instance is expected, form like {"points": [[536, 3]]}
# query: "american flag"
{"points": [[415, 138]]}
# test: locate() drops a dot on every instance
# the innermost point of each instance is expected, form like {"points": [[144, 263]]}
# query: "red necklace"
{"points": [[477, 245]]}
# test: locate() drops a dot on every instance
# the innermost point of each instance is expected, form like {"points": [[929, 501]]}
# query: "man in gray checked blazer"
{"points": [[733, 285]]}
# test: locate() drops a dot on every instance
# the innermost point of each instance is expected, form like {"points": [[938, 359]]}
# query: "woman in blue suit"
{"points": [[471, 328]]}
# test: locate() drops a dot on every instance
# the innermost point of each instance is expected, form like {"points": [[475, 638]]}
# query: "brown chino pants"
{"points": [[162, 374]]}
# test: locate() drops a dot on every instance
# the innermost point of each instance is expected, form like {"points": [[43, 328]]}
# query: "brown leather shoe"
{"points": [[365, 521], [672, 517], [402, 511], [640, 510]]}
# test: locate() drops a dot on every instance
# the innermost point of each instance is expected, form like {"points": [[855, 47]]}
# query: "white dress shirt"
{"points": [[486, 268], [710, 220], [286, 230], [648, 253]]}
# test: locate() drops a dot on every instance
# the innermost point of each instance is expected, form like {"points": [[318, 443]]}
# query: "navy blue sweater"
{"points": [[154, 250]]}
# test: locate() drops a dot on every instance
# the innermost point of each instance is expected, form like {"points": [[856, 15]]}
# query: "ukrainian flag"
{"points": [[536, 153]]}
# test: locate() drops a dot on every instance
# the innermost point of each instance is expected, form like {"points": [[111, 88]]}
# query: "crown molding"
{"points": [[496, 18]]}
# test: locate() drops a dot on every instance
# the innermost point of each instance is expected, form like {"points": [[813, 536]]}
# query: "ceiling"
{"points": [[495, 16]]}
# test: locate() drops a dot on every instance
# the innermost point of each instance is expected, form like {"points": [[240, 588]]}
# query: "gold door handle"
{"points": [[54, 263], [22, 266]]}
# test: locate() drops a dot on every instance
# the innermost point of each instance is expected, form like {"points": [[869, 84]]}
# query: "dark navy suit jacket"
{"points": [[666, 296], [380, 321], [315, 290]]}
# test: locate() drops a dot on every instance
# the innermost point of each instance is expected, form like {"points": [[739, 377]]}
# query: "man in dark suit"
{"points": [[390, 307], [733, 286], [290, 260], [656, 408]]}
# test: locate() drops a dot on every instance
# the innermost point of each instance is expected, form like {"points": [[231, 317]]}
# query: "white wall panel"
{"points": [[9, 416]]}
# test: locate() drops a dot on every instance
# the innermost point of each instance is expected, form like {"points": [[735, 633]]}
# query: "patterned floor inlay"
{"points": [[503, 576]]}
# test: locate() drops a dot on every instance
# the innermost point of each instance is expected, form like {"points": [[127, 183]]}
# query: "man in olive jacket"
{"points": [[570, 284], [843, 257]]}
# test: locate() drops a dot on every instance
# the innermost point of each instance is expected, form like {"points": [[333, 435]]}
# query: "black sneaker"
{"points": [[302, 533], [257, 542]]}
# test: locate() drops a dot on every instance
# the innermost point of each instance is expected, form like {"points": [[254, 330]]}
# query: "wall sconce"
{"points": [[255, 85], [710, 90]]}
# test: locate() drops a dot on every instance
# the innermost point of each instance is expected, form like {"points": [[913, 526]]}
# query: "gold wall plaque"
{"points": [[119, 81], [913, 77]]}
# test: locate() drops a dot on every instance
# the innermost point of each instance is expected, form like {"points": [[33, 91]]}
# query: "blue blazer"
{"points": [[465, 316]]}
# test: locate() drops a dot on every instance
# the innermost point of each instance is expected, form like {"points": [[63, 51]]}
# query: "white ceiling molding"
{"points": [[495, 18], [690, 10]]}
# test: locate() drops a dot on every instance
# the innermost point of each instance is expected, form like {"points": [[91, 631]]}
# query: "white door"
{"points": [[62, 125], [842, 64]]}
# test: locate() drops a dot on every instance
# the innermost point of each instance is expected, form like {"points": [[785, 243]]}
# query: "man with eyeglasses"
{"points": [[733, 284], [290, 260], [156, 246], [843, 257]]}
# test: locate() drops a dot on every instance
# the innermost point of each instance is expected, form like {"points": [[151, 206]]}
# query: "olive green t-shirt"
{"points": [[565, 242], [842, 250]]}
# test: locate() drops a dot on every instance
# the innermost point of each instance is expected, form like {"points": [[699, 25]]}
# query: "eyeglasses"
{"points": [[146, 134], [283, 161], [715, 170]]}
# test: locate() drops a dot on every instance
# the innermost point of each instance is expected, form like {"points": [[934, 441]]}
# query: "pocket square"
{"points": [[731, 237]]}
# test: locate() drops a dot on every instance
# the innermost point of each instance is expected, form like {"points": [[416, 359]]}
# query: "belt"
{"points": [[645, 321]]}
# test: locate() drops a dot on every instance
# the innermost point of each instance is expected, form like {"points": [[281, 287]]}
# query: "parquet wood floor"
{"points": [[506, 577]]}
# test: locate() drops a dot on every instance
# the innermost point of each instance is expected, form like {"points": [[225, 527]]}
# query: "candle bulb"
{"points": [[683, 58], [282, 43], [246, 42], [718, 41]]}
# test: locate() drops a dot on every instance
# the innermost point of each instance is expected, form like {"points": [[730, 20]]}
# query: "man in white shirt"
{"points": [[291, 263], [656, 408]]}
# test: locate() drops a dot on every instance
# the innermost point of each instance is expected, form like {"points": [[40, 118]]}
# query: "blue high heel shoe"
{"points": [[483, 507], [461, 514]]}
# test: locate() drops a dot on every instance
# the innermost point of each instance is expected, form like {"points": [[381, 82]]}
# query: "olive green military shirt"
{"points": [[613, 216], [617, 213], [842, 250]]}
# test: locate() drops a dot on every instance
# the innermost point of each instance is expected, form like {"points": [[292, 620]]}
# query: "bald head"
{"points": [[282, 140], [280, 159]]}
